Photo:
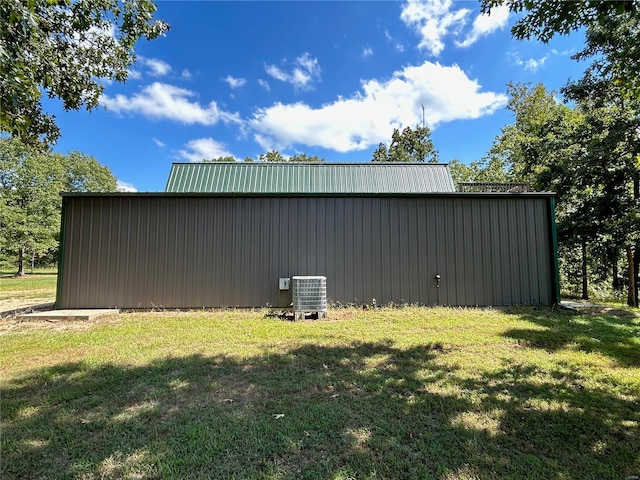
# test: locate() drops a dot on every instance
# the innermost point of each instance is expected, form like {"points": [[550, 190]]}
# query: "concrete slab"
{"points": [[579, 305], [80, 314]]}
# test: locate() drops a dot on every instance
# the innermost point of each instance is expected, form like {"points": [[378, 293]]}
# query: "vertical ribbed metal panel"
{"points": [[190, 252], [309, 178]]}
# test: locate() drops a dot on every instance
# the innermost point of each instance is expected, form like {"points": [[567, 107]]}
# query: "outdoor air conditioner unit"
{"points": [[309, 296]]}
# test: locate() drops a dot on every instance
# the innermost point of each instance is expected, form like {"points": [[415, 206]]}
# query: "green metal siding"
{"points": [[305, 178]]}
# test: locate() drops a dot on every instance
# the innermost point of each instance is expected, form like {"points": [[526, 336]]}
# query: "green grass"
{"points": [[40, 284], [391, 393]]}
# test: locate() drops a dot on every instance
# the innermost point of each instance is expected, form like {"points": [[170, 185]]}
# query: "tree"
{"points": [[408, 146], [487, 170], [221, 159], [608, 95], [275, 156], [586, 155], [614, 46], [540, 148], [65, 48], [272, 156], [380, 154], [31, 180], [613, 166], [611, 84], [83, 173], [546, 18], [29, 212], [304, 158]]}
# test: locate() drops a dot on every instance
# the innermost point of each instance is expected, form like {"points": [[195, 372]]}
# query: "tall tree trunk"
{"points": [[585, 293], [616, 276], [632, 298], [636, 275], [636, 256], [21, 254]]}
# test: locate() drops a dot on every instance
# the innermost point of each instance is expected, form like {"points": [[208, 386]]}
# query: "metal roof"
{"points": [[310, 178]]}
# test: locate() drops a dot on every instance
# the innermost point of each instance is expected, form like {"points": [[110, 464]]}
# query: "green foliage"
{"points": [[611, 106], [275, 156], [593, 160], [30, 202], [408, 146], [614, 47], [83, 173], [490, 169], [272, 156], [613, 36], [65, 49], [31, 180], [304, 158], [380, 154], [546, 18], [587, 155]]}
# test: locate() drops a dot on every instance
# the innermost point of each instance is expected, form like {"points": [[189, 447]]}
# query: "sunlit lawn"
{"points": [[389, 393], [33, 288]]}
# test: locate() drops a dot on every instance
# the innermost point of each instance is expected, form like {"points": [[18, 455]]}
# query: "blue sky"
{"points": [[331, 79]]}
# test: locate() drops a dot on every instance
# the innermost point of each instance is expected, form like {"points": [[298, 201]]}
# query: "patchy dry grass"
{"points": [[32, 289], [390, 393]]}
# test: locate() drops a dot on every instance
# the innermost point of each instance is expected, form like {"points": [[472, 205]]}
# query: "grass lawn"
{"points": [[32, 289], [410, 393]]}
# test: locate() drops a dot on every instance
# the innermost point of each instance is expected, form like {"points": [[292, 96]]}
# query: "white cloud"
{"points": [[186, 74], [434, 19], [163, 101], [204, 149], [125, 186], [149, 66], [159, 143], [397, 45], [264, 84], [234, 82], [134, 74], [370, 116], [367, 52], [276, 73], [531, 64], [155, 67], [564, 53], [305, 71], [486, 24]]}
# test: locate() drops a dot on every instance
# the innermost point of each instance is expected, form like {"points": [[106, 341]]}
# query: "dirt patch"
{"points": [[14, 325], [9, 305]]}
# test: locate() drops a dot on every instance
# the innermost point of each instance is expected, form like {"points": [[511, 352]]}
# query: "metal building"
{"points": [[230, 248]]}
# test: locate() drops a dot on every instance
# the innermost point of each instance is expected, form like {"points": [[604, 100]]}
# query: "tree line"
{"points": [[587, 153], [586, 149], [31, 179]]}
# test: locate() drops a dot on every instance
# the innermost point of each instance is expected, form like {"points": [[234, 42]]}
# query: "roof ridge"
{"points": [[317, 164]]}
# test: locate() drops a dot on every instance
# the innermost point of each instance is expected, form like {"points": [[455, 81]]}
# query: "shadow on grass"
{"points": [[13, 274], [616, 336], [369, 410]]}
